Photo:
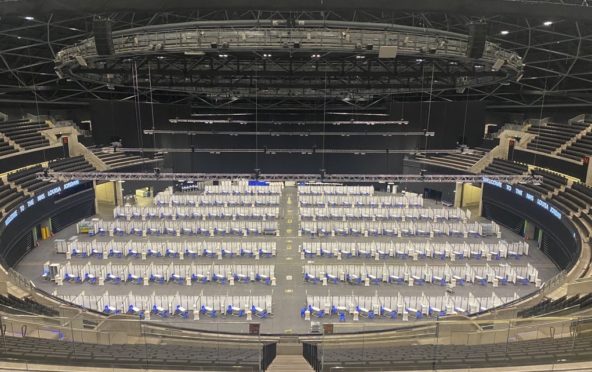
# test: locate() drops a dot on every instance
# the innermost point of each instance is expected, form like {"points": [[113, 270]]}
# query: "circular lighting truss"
{"points": [[345, 60]]}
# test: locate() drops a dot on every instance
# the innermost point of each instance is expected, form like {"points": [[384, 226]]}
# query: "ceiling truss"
{"points": [[558, 64]]}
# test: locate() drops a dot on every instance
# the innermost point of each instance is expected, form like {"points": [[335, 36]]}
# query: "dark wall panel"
{"points": [[452, 121], [117, 119], [67, 206], [576, 170], [21, 160], [562, 242]]}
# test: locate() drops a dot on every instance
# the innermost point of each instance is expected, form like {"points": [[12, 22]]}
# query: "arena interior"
{"points": [[295, 186]]}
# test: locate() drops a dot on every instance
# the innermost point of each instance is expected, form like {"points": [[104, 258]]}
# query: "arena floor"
{"points": [[289, 295]]}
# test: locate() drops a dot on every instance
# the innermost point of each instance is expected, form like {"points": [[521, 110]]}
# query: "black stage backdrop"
{"points": [[451, 121], [117, 119]]}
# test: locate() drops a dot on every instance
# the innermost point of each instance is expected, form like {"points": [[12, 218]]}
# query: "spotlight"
{"points": [[81, 61], [504, 32], [29, 18], [547, 23], [314, 56]]}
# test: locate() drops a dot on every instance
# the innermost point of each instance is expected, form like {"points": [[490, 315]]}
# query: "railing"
{"points": [[19, 280], [127, 339], [351, 345]]}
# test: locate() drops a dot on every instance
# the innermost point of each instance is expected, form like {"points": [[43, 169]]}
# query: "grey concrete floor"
{"points": [[290, 293]]}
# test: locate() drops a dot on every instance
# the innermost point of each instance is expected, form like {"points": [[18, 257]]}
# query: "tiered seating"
{"points": [[12, 304], [570, 199], [461, 161], [6, 148], [25, 134], [119, 159], [550, 183], [584, 220], [499, 166], [9, 197], [399, 356], [579, 149], [27, 179], [547, 305], [551, 136], [213, 355], [75, 164]]}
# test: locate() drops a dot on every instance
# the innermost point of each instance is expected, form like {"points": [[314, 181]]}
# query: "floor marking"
{"points": [[289, 291], [288, 258], [289, 277]]}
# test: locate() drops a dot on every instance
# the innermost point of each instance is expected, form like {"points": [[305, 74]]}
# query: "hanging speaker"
{"points": [[103, 37], [477, 37]]}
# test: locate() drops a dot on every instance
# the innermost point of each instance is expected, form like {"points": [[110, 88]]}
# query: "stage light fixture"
{"points": [[388, 52], [547, 23], [59, 73], [498, 64], [504, 32], [81, 61]]}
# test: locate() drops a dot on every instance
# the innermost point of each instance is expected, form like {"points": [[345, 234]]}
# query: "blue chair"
{"points": [[180, 311], [90, 279]]}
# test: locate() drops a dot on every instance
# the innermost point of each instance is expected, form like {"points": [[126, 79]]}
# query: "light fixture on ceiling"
{"points": [[29, 18], [547, 23], [504, 32]]}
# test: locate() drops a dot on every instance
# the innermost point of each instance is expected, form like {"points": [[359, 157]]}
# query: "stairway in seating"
{"points": [[289, 363], [572, 140]]}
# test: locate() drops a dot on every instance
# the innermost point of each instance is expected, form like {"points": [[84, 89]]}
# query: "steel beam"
{"points": [[342, 178]]}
